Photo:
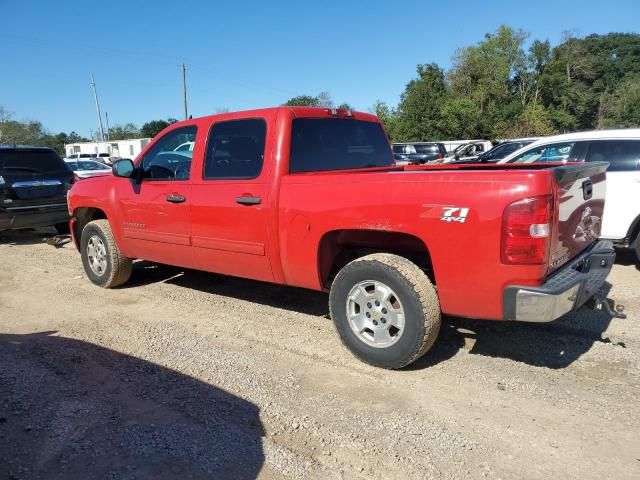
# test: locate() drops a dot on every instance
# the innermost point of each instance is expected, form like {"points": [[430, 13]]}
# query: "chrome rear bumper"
{"points": [[565, 290]]}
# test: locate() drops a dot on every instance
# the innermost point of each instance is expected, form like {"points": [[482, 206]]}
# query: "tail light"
{"points": [[526, 231]]}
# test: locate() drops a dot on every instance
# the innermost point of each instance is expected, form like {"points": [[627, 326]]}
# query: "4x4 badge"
{"points": [[454, 214]]}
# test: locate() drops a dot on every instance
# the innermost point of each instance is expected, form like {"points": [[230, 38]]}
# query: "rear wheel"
{"points": [[102, 260], [638, 247], [385, 310]]}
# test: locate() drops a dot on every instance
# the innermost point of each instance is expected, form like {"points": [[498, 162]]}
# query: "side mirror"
{"points": [[123, 168]]}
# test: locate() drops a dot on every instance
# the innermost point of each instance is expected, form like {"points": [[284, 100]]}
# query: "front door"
{"points": [[157, 208], [229, 201]]}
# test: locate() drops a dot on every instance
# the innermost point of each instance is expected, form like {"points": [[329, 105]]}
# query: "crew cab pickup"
{"points": [[310, 197]]}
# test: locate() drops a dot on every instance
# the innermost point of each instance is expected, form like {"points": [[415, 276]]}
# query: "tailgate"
{"points": [[579, 204]]}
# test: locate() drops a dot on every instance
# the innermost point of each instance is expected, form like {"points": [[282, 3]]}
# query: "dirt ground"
{"points": [[182, 374]]}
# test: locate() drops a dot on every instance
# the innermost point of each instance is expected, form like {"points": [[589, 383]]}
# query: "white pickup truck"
{"points": [[621, 148]]}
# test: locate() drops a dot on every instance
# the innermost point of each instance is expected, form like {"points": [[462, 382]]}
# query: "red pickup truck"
{"points": [[310, 197]]}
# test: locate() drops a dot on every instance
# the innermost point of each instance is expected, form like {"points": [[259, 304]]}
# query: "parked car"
{"points": [[78, 156], [499, 152], [621, 148], [468, 150], [417, 153], [33, 188], [185, 147], [88, 168], [310, 197], [104, 158]]}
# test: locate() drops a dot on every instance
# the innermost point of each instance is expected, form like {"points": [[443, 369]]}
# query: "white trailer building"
{"points": [[115, 148]]}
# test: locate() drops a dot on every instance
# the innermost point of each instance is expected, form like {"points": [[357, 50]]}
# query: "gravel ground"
{"points": [[182, 374]]}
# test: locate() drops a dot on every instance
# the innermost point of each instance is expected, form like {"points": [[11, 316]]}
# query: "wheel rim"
{"points": [[97, 255], [375, 314]]}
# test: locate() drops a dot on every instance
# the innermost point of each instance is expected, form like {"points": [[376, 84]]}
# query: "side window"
{"points": [[556, 152], [622, 155], [164, 162], [235, 149]]}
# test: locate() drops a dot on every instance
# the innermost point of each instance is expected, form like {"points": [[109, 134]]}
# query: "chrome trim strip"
{"points": [[36, 207], [36, 183]]}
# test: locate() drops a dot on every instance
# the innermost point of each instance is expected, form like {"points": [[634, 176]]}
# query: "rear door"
{"points": [[623, 183], [230, 198]]}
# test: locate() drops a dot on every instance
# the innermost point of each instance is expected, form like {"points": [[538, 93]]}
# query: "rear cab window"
{"points": [[25, 161], [322, 144], [622, 155]]}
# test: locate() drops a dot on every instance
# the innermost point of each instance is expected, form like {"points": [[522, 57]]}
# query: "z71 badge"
{"points": [[454, 214]]}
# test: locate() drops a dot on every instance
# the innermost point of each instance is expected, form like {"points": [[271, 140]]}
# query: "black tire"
{"points": [[118, 267], [62, 228], [638, 247], [415, 292]]}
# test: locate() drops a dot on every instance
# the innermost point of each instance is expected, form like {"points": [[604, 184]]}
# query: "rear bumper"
{"points": [[41, 216], [565, 290]]}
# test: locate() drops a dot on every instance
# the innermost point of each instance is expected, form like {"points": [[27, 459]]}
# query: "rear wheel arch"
{"points": [[339, 247]]}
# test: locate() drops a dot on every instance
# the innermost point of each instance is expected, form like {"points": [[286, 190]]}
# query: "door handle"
{"points": [[249, 200], [175, 198]]}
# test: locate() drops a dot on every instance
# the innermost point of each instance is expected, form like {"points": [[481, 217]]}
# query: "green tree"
{"points": [[124, 132], [534, 120], [302, 101], [388, 118], [621, 108], [459, 118], [419, 112], [152, 128]]}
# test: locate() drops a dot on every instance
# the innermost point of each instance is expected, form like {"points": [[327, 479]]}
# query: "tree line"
{"points": [[32, 133], [505, 87]]}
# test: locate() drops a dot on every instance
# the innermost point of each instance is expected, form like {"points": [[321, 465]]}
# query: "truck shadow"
{"points": [[553, 345], [72, 409], [290, 298]]}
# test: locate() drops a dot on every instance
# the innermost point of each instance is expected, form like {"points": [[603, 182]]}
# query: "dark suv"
{"points": [[33, 188], [418, 153]]}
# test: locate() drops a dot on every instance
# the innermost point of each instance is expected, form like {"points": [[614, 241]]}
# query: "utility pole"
{"points": [[106, 116], [95, 95], [184, 90]]}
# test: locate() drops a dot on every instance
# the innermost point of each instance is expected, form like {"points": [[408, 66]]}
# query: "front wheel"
{"points": [[102, 260], [385, 309]]}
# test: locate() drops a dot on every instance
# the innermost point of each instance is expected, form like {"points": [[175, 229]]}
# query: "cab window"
{"points": [[235, 150], [556, 152], [164, 162]]}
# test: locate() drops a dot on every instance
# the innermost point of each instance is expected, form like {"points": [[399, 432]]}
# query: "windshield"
{"points": [[319, 144], [30, 161], [501, 151]]}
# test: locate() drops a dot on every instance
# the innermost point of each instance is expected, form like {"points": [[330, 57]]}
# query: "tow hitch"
{"points": [[599, 302]]}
